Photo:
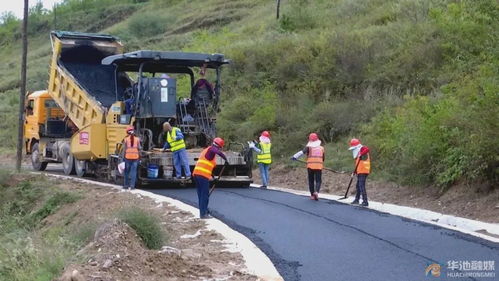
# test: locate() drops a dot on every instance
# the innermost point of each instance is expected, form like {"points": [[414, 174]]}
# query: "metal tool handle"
{"points": [[215, 181]]}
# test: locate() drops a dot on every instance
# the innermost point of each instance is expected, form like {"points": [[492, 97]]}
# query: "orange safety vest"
{"points": [[132, 151], [364, 165], [204, 167], [315, 157]]}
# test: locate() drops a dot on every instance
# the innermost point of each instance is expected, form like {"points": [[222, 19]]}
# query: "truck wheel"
{"points": [[68, 163], [36, 162], [81, 167]]}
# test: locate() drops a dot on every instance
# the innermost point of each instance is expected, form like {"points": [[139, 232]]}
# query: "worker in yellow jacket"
{"points": [[264, 156]]}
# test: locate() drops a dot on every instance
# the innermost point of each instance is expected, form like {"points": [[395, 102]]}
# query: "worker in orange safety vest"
{"points": [[362, 169], [315, 164], [131, 155], [203, 174]]}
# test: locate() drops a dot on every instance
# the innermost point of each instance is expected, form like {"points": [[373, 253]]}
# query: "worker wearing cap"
{"points": [[264, 157], [203, 174], [362, 169], [315, 164], [175, 142], [131, 155]]}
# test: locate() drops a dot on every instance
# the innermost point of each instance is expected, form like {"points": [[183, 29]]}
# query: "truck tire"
{"points": [[35, 159], [68, 163], [81, 167]]}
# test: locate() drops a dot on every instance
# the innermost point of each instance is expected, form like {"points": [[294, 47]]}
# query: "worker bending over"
{"points": [[362, 168], [175, 142], [203, 174], [315, 164], [264, 157]]}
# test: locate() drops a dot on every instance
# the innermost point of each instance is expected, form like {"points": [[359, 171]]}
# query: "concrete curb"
{"points": [[257, 263], [487, 231]]}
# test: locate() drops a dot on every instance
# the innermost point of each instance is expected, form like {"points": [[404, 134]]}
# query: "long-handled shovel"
{"points": [[327, 169], [215, 181], [350, 183]]}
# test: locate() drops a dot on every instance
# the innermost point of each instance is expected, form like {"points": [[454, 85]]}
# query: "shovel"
{"points": [[350, 183], [215, 181], [327, 169]]}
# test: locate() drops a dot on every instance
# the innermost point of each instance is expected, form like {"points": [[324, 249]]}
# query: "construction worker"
{"points": [[264, 157], [315, 164], [202, 91], [131, 150], [203, 174], [362, 169], [175, 142]]}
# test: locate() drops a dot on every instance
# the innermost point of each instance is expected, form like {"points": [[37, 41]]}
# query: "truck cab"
{"points": [[44, 119]]}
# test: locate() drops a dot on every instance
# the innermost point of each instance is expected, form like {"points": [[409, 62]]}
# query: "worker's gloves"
{"points": [[297, 155], [251, 144]]}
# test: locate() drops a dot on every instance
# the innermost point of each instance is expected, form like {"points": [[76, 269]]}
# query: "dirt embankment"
{"points": [[116, 252], [461, 200]]}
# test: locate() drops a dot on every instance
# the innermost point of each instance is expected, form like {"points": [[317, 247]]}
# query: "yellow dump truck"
{"points": [[95, 91]]}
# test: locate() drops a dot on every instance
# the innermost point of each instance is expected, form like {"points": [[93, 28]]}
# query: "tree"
{"points": [[7, 18]]}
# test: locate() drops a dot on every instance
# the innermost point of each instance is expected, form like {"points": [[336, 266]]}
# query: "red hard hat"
{"points": [[313, 137], [266, 134], [130, 128], [219, 141], [354, 142]]}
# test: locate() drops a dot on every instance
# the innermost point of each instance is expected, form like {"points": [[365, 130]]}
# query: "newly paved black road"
{"points": [[326, 240]]}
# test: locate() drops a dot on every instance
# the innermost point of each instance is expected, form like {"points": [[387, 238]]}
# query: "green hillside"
{"points": [[416, 80]]}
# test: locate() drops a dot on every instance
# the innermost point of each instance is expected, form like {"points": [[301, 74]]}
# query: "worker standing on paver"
{"points": [[362, 169], [131, 155], [264, 157], [203, 174], [315, 164], [175, 142]]}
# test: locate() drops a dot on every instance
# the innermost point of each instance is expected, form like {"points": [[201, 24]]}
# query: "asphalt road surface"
{"points": [[327, 240]]}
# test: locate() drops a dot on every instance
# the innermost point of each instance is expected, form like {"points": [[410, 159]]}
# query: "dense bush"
{"points": [[451, 136]]}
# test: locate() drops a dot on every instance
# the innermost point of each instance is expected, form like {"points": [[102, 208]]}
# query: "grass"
{"points": [[146, 225], [26, 253], [51, 206]]}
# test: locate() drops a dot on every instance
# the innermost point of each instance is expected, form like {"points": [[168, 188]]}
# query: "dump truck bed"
{"points": [[78, 82]]}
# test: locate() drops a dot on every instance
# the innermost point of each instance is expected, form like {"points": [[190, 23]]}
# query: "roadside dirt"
{"points": [[117, 253], [461, 200]]}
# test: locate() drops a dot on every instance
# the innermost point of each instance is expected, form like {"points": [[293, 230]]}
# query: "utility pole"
{"points": [[278, 7], [55, 15], [22, 93]]}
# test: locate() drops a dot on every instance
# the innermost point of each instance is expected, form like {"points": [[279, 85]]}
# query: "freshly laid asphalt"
{"points": [[326, 240]]}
